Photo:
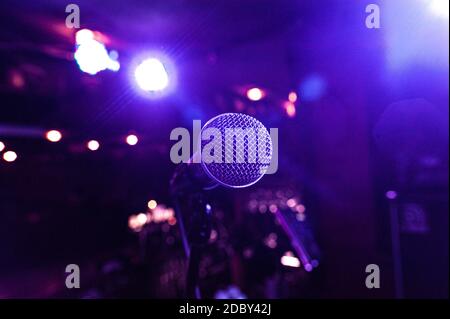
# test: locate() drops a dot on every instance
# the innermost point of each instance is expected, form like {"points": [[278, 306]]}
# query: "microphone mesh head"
{"points": [[236, 149]]}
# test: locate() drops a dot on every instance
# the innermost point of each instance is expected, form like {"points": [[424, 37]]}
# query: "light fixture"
{"points": [[255, 94], [93, 145], [10, 156], [53, 136], [151, 75], [132, 139]]}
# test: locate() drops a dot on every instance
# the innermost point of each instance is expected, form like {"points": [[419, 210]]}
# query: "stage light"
{"points": [[440, 8], [91, 55], [300, 209], [255, 94], [391, 194], [53, 136], [132, 139], [262, 208], [172, 221], [93, 145], [292, 97], [17, 80], [420, 45], [134, 224], [290, 260], [290, 108], [271, 240], [142, 218], [10, 156], [2, 146], [273, 208], [300, 217], [151, 75], [152, 204], [83, 36], [308, 267], [291, 202]]}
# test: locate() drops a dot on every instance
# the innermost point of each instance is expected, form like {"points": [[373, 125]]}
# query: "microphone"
{"points": [[235, 151]]}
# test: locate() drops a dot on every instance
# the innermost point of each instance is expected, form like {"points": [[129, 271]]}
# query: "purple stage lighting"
{"points": [[91, 55]]}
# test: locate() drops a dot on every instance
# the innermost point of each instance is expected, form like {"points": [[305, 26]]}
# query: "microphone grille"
{"points": [[245, 149]]}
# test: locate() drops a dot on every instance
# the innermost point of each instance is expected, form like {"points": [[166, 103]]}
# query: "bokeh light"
{"points": [[391, 194], [91, 55], [93, 145], [53, 136], [292, 97], [290, 108], [132, 139], [440, 8], [289, 260], [142, 218], [151, 75], [152, 204], [84, 36], [255, 94], [10, 156]]}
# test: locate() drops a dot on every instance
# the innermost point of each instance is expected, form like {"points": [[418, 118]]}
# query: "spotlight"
{"points": [[255, 94], [93, 145], [152, 204], [300, 217], [291, 202], [84, 36], [271, 240], [91, 55], [151, 75], [308, 267], [300, 209], [135, 222], [290, 108], [292, 97], [2, 146], [132, 139], [10, 156], [440, 8], [391, 194], [172, 221], [142, 218], [53, 136], [17, 80], [290, 260], [273, 208]]}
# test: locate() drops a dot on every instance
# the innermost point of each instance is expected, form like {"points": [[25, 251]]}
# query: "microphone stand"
{"points": [[199, 231], [198, 238]]}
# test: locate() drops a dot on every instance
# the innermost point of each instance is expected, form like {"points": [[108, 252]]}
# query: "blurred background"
{"points": [[363, 146]]}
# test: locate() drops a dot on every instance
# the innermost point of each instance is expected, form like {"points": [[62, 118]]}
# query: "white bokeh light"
{"points": [[132, 139], [10, 156], [255, 94], [53, 136], [91, 55], [440, 8], [93, 145], [151, 75]]}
